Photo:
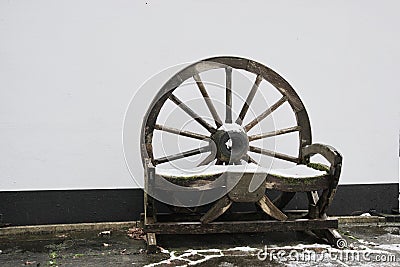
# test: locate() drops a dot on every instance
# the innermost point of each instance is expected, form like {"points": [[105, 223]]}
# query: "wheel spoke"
{"points": [[249, 99], [274, 133], [192, 114], [265, 113], [273, 154], [250, 159], [179, 132], [228, 95], [185, 154], [207, 98]]}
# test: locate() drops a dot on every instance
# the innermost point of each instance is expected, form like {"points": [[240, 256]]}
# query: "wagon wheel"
{"points": [[226, 128]]}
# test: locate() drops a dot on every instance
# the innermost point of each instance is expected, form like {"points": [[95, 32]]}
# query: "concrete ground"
{"points": [[370, 244]]}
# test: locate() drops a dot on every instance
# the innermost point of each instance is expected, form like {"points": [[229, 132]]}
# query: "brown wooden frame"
{"points": [[315, 217]]}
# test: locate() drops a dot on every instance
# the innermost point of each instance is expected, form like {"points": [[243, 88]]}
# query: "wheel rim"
{"points": [[218, 134]]}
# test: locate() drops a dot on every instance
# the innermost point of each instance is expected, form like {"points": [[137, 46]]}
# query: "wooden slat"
{"points": [[249, 99], [182, 155], [270, 153], [265, 113], [208, 100], [226, 217], [274, 133], [180, 132], [228, 95], [294, 184], [192, 114]]}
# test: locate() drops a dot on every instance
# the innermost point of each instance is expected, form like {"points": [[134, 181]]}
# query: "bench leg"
{"points": [[151, 242], [217, 210], [269, 208]]}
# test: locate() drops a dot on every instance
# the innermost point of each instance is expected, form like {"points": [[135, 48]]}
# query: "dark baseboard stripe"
{"points": [[113, 205]]}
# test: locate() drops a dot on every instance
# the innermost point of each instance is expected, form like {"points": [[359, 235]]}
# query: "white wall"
{"points": [[69, 68]]}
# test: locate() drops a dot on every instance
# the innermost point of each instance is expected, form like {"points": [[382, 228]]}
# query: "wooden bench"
{"points": [[199, 197]]}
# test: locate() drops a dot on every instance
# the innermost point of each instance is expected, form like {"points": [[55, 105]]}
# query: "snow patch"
{"points": [[298, 171]]}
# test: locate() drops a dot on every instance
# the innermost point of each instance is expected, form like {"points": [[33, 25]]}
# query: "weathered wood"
{"points": [[208, 100], [216, 210], [273, 154], [295, 184], [224, 155], [274, 133], [328, 152], [269, 208], [149, 203], [335, 238], [192, 114], [181, 155], [228, 95], [226, 217], [227, 63], [180, 132], [249, 99], [265, 114], [240, 226], [332, 236]]}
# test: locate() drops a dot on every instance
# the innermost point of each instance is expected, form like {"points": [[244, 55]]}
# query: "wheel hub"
{"points": [[231, 142]]}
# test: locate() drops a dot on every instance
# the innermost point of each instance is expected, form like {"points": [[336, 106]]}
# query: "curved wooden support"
{"points": [[328, 152], [217, 210], [326, 182], [269, 208], [335, 159]]}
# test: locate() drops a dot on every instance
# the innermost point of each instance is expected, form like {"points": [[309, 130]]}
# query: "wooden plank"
{"points": [[181, 155], [293, 184], [230, 216], [240, 227]]}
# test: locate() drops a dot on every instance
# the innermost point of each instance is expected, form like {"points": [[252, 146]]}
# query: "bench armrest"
{"points": [[329, 153]]}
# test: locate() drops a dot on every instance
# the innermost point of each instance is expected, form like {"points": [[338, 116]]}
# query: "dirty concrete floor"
{"points": [[368, 246]]}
